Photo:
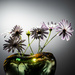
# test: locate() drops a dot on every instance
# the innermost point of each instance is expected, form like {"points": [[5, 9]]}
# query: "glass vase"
{"points": [[43, 63]]}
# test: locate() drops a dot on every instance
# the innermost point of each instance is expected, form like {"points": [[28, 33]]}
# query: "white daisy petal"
{"points": [[67, 37], [70, 34], [70, 30], [69, 25], [65, 30], [44, 26], [59, 34], [62, 37]]}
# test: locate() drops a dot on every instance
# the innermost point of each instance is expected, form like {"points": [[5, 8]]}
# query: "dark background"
{"points": [[31, 13]]}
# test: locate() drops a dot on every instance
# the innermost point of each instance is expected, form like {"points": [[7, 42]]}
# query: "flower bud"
{"points": [[28, 33]]}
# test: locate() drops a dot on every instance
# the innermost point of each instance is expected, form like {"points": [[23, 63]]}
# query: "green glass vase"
{"points": [[38, 64]]}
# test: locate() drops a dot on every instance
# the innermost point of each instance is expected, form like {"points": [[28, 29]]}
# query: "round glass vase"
{"points": [[43, 63]]}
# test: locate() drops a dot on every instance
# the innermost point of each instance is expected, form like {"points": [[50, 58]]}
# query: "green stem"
{"points": [[28, 45], [48, 42], [20, 37], [48, 37], [22, 53], [39, 46], [18, 53]]}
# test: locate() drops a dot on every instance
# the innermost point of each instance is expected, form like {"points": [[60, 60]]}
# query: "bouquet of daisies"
{"points": [[15, 41]]}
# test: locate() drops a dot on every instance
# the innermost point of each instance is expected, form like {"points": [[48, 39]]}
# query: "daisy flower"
{"points": [[51, 25], [13, 44], [16, 31], [65, 30], [39, 32]]}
